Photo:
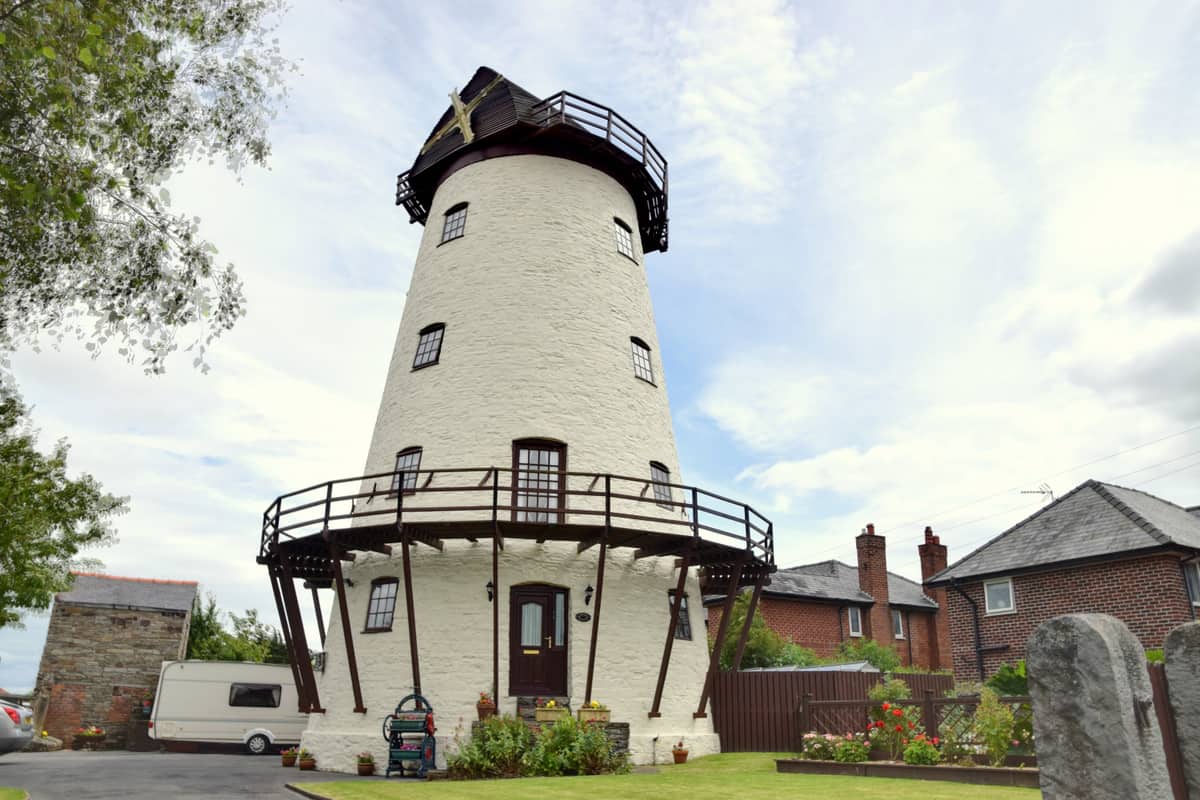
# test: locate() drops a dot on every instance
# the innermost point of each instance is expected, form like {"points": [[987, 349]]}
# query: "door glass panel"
{"points": [[531, 625], [560, 614]]}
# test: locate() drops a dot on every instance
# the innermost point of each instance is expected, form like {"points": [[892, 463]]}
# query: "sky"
{"points": [[924, 260]]}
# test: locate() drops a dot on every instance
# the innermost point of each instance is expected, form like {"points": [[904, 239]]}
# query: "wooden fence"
{"points": [[1166, 724], [760, 711]]}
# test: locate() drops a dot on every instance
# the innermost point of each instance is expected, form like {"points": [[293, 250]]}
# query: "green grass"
{"points": [[11, 794], [746, 776]]}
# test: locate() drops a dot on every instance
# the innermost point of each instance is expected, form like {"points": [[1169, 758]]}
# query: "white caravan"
{"points": [[227, 702]]}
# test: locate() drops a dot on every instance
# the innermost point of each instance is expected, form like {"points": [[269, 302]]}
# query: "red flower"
{"points": [[935, 741], [897, 712], [910, 726], [886, 706], [899, 728]]}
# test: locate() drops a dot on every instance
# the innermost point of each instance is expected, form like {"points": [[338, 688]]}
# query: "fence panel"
{"points": [[1166, 724]]}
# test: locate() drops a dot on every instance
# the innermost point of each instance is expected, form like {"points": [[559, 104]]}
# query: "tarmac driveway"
{"points": [[75, 775]]}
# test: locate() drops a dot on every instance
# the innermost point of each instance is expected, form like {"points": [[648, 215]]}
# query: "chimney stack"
{"points": [[872, 579], [933, 560]]}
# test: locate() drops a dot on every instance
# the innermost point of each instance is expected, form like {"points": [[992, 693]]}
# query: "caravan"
{"points": [[227, 702]]}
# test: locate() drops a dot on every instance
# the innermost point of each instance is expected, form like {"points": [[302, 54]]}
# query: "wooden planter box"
{"points": [[593, 715], [987, 776], [550, 715]]}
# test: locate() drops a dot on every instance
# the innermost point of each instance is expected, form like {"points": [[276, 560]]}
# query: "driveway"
{"points": [[72, 775]]}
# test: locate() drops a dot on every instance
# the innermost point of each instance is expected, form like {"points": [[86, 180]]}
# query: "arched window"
{"points": [[539, 483], [660, 479], [408, 461], [624, 236], [642, 366], [684, 629], [382, 605], [429, 345], [455, 223]]}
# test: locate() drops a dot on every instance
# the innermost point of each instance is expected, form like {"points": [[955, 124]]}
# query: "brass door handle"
{"points": [[549, 641]]}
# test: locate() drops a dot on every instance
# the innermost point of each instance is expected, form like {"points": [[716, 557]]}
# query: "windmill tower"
{"points": [[522, 483]]}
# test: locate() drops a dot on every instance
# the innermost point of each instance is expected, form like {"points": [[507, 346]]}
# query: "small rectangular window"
{"points": [[660, 479], [624, 238], [560, 619], [255, 695], [456, 222], [897, 624], [642, 367], [683, 630], [382, 605], [854, 616], [429, 346], [405, 476], [1191, 573], [998, 597]]}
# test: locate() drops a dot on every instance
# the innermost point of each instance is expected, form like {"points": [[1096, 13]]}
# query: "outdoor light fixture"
{"points": [[587, 595], [491, 590], [350, 583]]}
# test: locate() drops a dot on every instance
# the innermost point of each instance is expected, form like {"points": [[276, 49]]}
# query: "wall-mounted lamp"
{"points": [[350, 583], [587, 595], [491, 590]]}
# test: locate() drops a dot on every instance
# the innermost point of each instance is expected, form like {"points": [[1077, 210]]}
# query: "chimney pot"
{"points": [[870, 528]]}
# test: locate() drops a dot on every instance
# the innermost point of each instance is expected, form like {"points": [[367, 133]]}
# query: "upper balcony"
{"points": [[655, 518]]}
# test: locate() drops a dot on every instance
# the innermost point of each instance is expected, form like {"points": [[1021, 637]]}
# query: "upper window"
{"points": [[456, 222], [624, 237], [683, 630], [429, 345], [854, 615], [660, 479], [897, 624], [1191, 574], [539, 489], [255, 695], [998, 596], [641, 359], [382, 604], [408, 461]]}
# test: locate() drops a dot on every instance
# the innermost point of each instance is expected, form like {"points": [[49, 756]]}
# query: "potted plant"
{"points": [[288, 757], [366, 764], [550, 711], [594, 711], [306, 759], [679, 752], [89, 737], [486, 705]]}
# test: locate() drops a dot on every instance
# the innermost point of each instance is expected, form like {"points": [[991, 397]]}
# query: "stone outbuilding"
{"points": [[107, 640]]}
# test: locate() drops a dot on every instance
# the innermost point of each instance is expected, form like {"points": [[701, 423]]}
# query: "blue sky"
{"points": [[922, 258]]}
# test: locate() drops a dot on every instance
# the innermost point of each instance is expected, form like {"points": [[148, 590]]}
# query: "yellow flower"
{"points": [[550, 704], [45, 735]]}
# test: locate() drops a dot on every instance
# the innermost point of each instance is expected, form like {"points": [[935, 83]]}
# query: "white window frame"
{"points": [[854, 613], [624, 236], [897, 624], [1193, 567], [1012, 597]]}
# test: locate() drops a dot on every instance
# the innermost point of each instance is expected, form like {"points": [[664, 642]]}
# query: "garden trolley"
{"points": [[409, 733]]}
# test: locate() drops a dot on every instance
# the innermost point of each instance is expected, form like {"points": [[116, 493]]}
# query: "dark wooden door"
{"points": [[538, 641]]}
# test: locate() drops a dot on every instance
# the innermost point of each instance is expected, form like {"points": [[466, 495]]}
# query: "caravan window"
{"points": [[255, 695]]}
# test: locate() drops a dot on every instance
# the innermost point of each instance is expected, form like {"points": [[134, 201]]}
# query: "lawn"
{"points": [[745, 776], [11, 794]]}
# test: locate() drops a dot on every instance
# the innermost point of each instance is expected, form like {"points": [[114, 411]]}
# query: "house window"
{"points": [[456, 222], [897, 625], [854, 616], [683, 630], [660, 479], [429, 345], [998, 597], [1191, 574], [624, 238], [255, 695], [382, 605], [641, 359], [538, 491], [408, 461]]}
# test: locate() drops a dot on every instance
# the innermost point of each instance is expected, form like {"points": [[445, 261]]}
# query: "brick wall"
{"points": [[99, 662], [1147, 594]]}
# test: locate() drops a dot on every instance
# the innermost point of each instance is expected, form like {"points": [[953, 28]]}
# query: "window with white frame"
{"points": [[405, 476], [642, 366], [854, 616], [1191, 574], [624, 238], [456, 222], [998, 597], [897, 624]]}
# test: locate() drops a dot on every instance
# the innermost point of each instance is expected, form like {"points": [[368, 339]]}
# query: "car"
{"points": [[16, 727]]}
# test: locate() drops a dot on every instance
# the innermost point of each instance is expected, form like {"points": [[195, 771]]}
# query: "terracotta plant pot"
{"points": [[308, 763], [485, 710], [366, 769], [593, 715], [680, 756], [288, 761]]}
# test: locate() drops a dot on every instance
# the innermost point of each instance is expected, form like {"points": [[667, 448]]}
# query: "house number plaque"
{"points": [[583, 616]]}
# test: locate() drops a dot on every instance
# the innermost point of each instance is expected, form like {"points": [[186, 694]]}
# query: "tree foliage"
{"points": [[764, 647], [46, 518], [881, 656], [250, 639], [102, 101]]}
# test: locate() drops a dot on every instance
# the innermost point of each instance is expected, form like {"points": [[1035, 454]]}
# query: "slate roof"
{"points": [[92, 589], [1094, 520], [835, 580]]}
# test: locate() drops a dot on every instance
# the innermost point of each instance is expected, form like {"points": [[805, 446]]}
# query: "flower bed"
{"points": [[988, 776]]}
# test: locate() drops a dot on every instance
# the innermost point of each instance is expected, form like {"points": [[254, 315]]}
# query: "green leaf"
{"points": [[2, 37], [85, 55], [49, 53]]}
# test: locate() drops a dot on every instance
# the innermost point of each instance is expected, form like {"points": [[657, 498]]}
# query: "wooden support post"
{"points": [[753, 607], [286, 631], [714, 661], [348, 635], [320, 619], [666, 656], [412, 621], [303, 663], [496, 613], [587, 694]]}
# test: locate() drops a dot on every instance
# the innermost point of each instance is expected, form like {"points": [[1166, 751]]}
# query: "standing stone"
{"points": [[1093, 712], [1182, 653]]}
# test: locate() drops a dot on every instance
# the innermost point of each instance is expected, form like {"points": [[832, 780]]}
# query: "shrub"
{"points": [[852, 749], [794, 655], [955, 750], [890, 691], [569, 747], [892, 725], [1010, 680], [1155, 656], [494, 751], [921, 750], [819, 746], [993, 726], [880, 656]]}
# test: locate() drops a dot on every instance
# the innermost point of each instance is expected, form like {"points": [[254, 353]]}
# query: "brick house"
{"points": [[107, 639], [821, 605], [1099, 548]]}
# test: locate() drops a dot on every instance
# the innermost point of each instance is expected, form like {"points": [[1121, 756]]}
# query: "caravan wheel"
{"points": [[258, 744]]}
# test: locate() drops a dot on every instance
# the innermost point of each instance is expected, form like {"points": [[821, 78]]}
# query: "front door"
{"points": [[538, 641]]}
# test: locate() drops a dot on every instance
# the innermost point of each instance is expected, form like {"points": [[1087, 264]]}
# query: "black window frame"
{"points": [[240, 690], [379, 612], [643, 363], [683, 628], [429, 339], [408, 471], [661, 485], [624, 242], [454, 223]]}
